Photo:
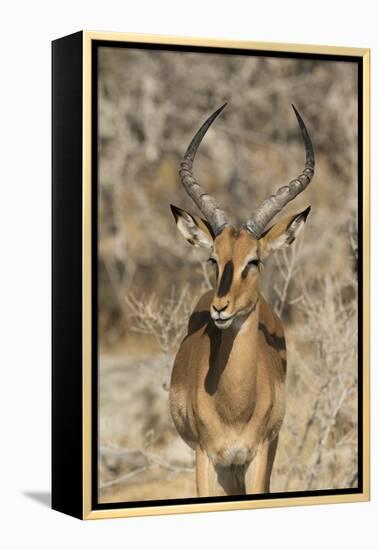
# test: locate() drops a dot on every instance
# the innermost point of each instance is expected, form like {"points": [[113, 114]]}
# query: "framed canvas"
{"points": [[210, 275]]}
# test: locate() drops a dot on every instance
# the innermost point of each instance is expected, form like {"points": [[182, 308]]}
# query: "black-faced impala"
{"points": [[227, 393]]}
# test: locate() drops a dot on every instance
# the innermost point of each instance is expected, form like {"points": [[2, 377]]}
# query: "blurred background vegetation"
{"points": [[150, 105]]}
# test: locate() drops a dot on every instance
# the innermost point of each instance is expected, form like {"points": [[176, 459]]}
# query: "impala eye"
{"points": [[254, 262]]}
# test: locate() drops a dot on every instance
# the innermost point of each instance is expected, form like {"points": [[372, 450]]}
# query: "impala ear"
{"points": [[194, 229], [283, 233]]}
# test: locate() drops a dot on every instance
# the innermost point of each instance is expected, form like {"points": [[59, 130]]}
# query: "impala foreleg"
{"points": [[256, 479], [203, 473], [270, 462], [209, 480]]}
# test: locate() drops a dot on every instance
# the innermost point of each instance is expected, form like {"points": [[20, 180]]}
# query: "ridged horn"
{"points": [[214, 215], [274, 204]]}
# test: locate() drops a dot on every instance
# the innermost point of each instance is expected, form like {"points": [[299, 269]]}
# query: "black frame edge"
{"points": [[67, 131]]}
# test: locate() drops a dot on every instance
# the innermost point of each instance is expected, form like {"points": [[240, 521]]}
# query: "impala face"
{"points": [[237, 257], [237, 263]]}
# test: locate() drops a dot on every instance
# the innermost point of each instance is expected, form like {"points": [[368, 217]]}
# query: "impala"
{"points": [[227, 391]]}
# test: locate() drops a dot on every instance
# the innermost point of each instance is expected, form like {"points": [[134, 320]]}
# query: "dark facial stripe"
{"points": [[226, 279]]}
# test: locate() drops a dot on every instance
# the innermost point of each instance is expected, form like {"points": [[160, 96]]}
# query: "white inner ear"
{"points": [[192, 233], [291, 233], [295, 227]]}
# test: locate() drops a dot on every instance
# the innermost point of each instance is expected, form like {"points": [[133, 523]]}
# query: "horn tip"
{"points": [[299, 117], [296, 111], [221, 108]]}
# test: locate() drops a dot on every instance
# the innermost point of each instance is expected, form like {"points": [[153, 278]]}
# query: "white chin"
{"points": [[223, 324]]}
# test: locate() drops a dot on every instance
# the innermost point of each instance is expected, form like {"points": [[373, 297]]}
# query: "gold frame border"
{"points": [[88, 513]]}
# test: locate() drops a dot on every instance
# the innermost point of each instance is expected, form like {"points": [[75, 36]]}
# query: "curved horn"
{"points": [[271, 206], [215, 216]]}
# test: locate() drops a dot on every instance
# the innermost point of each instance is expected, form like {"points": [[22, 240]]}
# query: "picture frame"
{"points": [[77, 115]]}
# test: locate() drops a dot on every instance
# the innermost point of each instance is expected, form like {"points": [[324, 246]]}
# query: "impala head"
{"points": [[238, 254]]}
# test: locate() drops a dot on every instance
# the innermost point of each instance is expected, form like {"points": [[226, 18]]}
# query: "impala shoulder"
{"points": [[271, 327], [269, 318]]}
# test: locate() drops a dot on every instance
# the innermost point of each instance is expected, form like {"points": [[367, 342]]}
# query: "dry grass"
{"points": [[149, 277]]}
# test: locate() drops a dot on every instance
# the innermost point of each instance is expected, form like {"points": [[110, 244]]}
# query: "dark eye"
{"points": [[254, 262]]}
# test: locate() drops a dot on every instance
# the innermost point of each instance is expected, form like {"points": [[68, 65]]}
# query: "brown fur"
{"points": [[227, 394]]}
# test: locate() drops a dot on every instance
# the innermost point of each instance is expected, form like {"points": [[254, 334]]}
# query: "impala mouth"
{"points": [[223, 323]]}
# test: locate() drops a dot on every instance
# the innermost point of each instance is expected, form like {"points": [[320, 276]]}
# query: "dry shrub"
{"points": [[318, 440]]}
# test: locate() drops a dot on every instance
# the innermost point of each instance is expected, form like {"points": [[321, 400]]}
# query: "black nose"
{"points": [[219, 310]]}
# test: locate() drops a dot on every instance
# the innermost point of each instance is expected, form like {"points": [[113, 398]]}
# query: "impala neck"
{"points": [[232, 363]]}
